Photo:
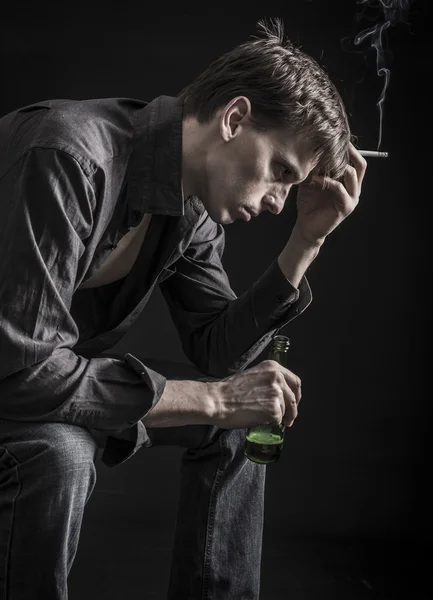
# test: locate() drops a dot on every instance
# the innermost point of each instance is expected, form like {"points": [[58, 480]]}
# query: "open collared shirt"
{"points": [[75, 175]]}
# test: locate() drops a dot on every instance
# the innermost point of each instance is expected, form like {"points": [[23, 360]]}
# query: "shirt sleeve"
{"points": [[220, 332], [46, 215]]}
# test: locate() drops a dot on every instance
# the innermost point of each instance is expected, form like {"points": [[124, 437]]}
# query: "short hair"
{"points": [[286, 87]]}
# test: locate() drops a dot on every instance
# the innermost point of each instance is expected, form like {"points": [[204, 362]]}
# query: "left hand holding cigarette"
{"points": [[323, 203]]}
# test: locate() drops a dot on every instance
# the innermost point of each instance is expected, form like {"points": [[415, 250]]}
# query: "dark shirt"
{"points": [[74, 177]]}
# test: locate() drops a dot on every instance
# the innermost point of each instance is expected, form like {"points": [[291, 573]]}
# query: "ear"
{"points": [[234, 116]]}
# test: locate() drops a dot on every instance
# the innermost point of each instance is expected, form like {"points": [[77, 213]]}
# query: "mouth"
{"points": [[246, 213], [246, 216]]}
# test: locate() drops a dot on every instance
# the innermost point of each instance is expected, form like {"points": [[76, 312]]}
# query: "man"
{"points": [[102, 200]]}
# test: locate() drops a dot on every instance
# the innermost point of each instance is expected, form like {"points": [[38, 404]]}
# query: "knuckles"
{"points": [[270, 364], [275, 376], [276, 388]]}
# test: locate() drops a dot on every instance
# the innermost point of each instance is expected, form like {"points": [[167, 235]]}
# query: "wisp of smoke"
{"points": [[393, 12]]}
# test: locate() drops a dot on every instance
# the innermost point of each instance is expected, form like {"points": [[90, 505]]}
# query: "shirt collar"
{"points": [[155, 167]]}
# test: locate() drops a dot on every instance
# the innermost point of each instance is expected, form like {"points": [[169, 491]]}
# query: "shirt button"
{"points": [[113, 246], [136, 215]]}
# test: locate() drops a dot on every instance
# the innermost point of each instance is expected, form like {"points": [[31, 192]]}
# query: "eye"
{"points": [[282, 171]]}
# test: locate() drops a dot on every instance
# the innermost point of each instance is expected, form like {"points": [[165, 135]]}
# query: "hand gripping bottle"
{"points": [[264, 443]]}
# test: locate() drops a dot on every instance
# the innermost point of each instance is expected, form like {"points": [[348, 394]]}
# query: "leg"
{"points": [[47, 474], [219, 528]]}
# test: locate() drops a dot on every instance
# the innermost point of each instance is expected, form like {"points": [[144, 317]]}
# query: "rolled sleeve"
{"points": [[275, 301], [124, 443]]}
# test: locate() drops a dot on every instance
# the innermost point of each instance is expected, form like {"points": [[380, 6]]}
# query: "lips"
{"points": [[247, 213], [246, 216]]}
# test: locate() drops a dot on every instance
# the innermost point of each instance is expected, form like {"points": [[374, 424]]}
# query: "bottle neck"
{"points": [[280, 343], [279, 349]]}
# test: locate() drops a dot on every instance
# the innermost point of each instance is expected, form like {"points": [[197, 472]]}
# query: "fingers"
{"points": [[290, 386], [327, 183], [351, 182], [293, 382], [338, 189], [346, 193], [352, 178], [290, 405], [359, 163]]}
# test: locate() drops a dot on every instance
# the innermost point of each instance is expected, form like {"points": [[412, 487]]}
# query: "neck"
{"points": [[193, 157]]}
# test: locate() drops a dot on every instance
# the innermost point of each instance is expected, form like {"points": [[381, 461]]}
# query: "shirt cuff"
{"points": [[276, 301], [120, 445]]}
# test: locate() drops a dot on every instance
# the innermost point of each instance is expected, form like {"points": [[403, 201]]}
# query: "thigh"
{"points": [[56, 443], [47, 474]]}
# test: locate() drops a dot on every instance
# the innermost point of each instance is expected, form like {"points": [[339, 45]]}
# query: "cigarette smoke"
{"points": [[392, 13]]}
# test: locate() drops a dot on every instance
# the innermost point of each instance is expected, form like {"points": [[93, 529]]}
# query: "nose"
{"points": [[274, 204]]}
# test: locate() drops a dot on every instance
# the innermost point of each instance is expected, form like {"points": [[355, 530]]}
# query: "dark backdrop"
{"points": [[355, 463]]}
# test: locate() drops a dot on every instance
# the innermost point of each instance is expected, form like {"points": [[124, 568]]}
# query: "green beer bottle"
{"points": [[264, 443]]}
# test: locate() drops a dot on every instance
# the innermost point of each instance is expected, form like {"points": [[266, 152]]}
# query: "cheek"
{"points": [[235, 180], [254, 179], [228, 183]]}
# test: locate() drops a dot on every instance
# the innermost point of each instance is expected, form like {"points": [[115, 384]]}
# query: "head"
{"points": [[260, 119]]}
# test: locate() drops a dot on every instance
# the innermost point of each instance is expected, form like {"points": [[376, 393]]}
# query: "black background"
{"points": [[355, 464]]}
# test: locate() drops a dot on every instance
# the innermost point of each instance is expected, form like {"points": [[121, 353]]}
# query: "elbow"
{"points": [[210, 358]]}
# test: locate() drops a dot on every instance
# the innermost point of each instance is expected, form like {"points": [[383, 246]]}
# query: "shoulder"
{"points": [[93, 131]]}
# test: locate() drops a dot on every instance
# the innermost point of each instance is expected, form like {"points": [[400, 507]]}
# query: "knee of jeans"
{"points": [[66, 452], [233, 441], [226, 441]]}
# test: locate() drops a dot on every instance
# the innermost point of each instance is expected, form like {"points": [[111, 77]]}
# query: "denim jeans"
{"points": [[47, 474]]}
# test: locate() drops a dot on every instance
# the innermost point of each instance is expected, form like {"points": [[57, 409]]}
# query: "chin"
{"points": [[220, 215], [226, 218]]}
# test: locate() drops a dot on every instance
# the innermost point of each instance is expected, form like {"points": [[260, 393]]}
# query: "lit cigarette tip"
{"points": [[373, 154]]}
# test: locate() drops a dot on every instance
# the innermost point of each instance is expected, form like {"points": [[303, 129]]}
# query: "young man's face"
{"points": [[251, 171]]}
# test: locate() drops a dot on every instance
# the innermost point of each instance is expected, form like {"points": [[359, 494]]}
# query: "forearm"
{"points": [[182, 403], [296, 257]]}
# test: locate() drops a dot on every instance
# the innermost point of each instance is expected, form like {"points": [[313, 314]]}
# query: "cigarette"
{"points": [[373, 154]]}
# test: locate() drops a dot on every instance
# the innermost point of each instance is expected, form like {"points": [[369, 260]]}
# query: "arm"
{"points": [[220, 333], [231, 331], [297, 256], [323, 203], [46, 214]]}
